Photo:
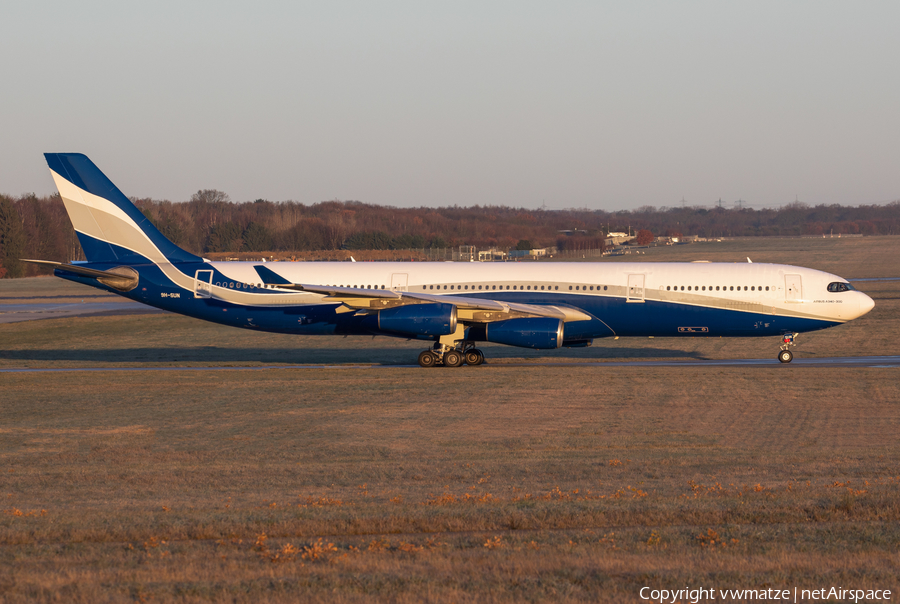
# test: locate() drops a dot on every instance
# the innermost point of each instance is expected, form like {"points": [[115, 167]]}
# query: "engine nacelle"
{"points": [[539, 332], [419, 319]]}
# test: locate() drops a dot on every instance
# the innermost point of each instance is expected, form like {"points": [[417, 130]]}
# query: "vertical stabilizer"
{"points": [[109, 227]]}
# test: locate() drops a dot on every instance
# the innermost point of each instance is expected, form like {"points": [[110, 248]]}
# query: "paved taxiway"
{"points": [[15, 313], [881, 362]]}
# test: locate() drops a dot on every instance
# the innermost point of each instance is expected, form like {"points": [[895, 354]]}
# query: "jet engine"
{"points": [[539, 332], [419, 319]]}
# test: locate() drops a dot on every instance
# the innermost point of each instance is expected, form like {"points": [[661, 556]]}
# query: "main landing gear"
{"points": [[787, 340], [451, 357]]}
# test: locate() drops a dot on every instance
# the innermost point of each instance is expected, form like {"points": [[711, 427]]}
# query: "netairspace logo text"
{"points": [[701, 594]]}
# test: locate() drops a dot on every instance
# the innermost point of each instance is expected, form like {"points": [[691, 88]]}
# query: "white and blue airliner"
{"points": [[454, 306]]}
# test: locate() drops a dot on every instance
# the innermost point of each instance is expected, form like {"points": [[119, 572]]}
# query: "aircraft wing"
{"points": [[471, 308], [338, 292]]}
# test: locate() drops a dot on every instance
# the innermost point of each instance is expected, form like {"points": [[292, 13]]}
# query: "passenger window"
{"points": [[604, 288], [570, 288], [451, 287], [752, 288], [514, 287], [767, 288], [668, 288]]}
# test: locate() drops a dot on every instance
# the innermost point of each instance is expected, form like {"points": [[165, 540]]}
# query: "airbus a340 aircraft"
{"points": [[451, 305]]}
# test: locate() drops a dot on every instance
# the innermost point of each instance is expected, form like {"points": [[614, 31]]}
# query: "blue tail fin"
{"points": [[110, 228]]}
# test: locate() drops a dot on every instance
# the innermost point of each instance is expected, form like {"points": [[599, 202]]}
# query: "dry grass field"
{"points": [[514, 481]]}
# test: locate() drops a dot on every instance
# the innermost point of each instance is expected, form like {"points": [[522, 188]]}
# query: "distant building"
{"points": [[491, 255], [535, 253], [614, 239]]}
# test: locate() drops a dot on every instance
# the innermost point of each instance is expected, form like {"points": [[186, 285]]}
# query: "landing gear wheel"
{"points": [[452, 358], [474, 357], [785, 356], [427, 359]]}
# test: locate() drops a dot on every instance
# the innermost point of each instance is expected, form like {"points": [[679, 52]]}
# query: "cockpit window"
{"points": [[837, 286]]}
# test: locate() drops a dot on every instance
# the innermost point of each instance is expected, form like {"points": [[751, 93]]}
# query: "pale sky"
{"points": [[604, 105]]}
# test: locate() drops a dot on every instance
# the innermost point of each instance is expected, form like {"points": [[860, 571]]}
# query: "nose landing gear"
{"points": [[787, 340]]}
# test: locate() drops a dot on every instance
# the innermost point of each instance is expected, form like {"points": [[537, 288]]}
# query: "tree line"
{"points": [[38, 227]]}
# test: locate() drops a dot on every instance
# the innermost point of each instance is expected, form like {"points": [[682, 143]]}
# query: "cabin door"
{"points": [[793, 288], [203, 284], [635, 288], [399, 281]]}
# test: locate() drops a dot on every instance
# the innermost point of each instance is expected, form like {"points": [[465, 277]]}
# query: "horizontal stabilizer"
{"points": [[120, 278]]}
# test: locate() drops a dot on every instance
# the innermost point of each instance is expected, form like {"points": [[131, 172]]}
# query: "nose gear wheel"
{"points": [[787, 340]]}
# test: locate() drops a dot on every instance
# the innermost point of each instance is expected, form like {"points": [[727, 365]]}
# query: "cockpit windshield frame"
{"points": [[837, 287]]}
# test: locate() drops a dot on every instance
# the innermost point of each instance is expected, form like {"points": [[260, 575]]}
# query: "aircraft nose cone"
{"points": [[865, 304]]}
